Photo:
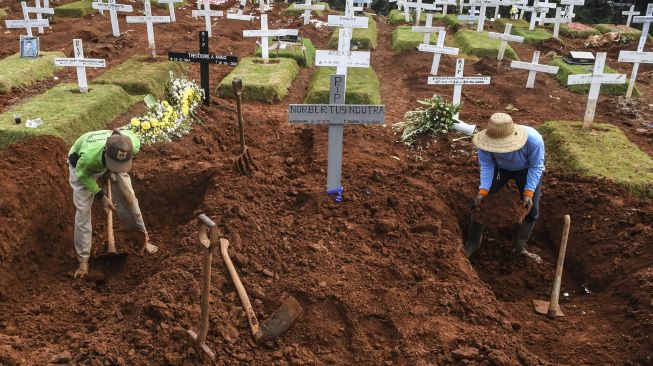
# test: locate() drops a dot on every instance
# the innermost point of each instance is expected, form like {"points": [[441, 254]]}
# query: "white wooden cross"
{"points": [[420, 6], [264, 33], [207, 13], [113, 9], [26, 23], [80, 63], [559, 19], [533, 10], [307, 7], [630, 14], [445, 4], [639, 56], [38, 10], [149, 20], [484, 4], [336, 115], [569, 7], [239, 15], [595, 79], [438, 50], [346, 23], [428, 29], [533, 68], [458, 80], [473, 16], [505, 37], [171, 7], [543, 9]]}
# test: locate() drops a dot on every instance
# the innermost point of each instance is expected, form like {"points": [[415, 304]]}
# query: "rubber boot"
{"points": [[520, 236], [474, 236]]}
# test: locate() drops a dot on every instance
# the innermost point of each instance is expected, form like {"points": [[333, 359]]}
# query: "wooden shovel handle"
{"points": [[244, 299], [111, 239], [555, 293]]}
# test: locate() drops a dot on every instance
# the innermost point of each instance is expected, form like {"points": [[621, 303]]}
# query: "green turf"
{"points": [[262, 82], [65, 112], [606, 89], [478, 44], [397, 17], [165, 5], [304, 58], [17, 72], [568, 32], [139, 76], [362, 86], [75, 9], [362, 38], [3, 13], [290, 10], [451, 20], [500, 23], [403, 39], [538, 35], [620, 28], [603, 152]]}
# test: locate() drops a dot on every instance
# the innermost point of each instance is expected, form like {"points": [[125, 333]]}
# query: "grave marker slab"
{"points": [[595, 79], [638, 56], [505, 37], [207, 13], [458, 81], [149, 21], [533, 68], [80, 63], [171, 7], [26, 23], [113, 8], [438, 50]]}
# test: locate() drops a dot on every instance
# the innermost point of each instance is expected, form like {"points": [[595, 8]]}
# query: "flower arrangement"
{"points": [[436, 118], [172, 117]]}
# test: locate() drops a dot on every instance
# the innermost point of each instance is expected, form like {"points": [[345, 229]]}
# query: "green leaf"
{"points": [[150, 101]]}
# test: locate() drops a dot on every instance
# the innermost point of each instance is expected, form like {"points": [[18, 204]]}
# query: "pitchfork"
{"points": [[244, 162]]}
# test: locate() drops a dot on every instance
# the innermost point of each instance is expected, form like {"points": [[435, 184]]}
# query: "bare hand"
{"points": [[107, 204]]}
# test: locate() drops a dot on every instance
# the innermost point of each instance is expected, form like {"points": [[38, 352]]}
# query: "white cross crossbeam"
{"points": [[342, 58], [26, 22], [630, 14], [438, 50], [149, 21], [458, 80], [80, 63], [505, 37], [239, 15], [307, 8], [207, 13], [264, 33], [38, 10], [113, 8], [626, 56], [428, 29], [533, 68], [559, 19], [171, 8]]}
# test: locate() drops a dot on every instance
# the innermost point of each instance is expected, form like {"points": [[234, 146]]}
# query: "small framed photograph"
{"points": [[29, 47]]}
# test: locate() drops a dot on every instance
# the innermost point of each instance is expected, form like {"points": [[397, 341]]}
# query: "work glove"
{"points": [[528, 203], [478, 200], [107, 204]]}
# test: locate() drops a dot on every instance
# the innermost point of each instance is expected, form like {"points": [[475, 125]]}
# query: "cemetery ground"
{"points": [[381, 276]]}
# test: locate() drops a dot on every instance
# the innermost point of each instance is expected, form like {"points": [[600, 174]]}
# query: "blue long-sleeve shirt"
{"points": [[530, 156]]}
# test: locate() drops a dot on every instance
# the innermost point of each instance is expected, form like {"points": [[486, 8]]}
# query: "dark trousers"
{"points": [[502, 177]]}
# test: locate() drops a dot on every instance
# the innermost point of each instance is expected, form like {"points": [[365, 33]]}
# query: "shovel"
{"points": [[110, 254], [551, 308], [244, 162], [278, 322]]}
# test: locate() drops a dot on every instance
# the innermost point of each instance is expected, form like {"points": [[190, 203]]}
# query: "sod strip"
{"points": [[619, 28], [139, 76], [451, 20], [362, 39], [362, 86], [604, 152], [292, 11], [500, 24], [577, 30], [76, 9], [397, 17], [262, 82], [3, 13], [17, 72], [533, 36], [304, 57], [65, 112], [481, 45], [566, 69], [403, 39], [165, 5]]}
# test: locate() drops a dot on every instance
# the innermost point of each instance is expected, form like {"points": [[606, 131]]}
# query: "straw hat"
{"points": [[501, 135]]}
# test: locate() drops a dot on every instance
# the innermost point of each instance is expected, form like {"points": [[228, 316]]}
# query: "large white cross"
{"points": [[38, 10], [505, 37], [543, 8], [428, 29], [458, 80], [171, 7], [264, 33], [438, 50], [346, 23], [26, 23], [419, 6], [207, 13], [533, 68], [595, 79], [80, 63], [559, 19], [630, 14], [239, 15], [569, 6], [307, 7], [113, 9], [639, 56], [149, 20]]}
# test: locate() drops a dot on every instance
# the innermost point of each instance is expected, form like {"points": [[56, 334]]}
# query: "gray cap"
{"points": [[118, 153]]}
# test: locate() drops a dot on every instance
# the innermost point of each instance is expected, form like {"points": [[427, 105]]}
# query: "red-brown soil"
{"points": [[502, 209], [381, 276]]}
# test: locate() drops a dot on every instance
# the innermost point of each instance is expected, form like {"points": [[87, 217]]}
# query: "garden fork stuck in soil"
{"points": [[244, 162]]}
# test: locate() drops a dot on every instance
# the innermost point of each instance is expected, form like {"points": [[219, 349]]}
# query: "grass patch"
{"points": [[292, 11], [603, 152], [262, 82], [397, 17], [500, 23], [75, 9], [362, 86], [606, 89], [139, 76], [451, 20], [532, 36], [619, 28], [3, 13], [403, 39], [65, 112], [362, 38], [481, 45], [16, 72], [304, 58], [584, 32], [165, 5]]}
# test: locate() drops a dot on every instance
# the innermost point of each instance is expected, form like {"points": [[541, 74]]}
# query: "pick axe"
{"points": [[551, 308], [244, 162], [278, 322]]}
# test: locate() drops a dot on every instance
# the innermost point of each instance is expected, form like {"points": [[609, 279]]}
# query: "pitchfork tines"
{"points": [[244, 162]]}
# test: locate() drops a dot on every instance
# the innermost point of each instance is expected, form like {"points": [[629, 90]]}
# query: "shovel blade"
{"points": [[542, 307], [280, 321]]}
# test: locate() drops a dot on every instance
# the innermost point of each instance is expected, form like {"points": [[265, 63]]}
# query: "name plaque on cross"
{"points": [[342, 58], [348, 22], [80, 63]]}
